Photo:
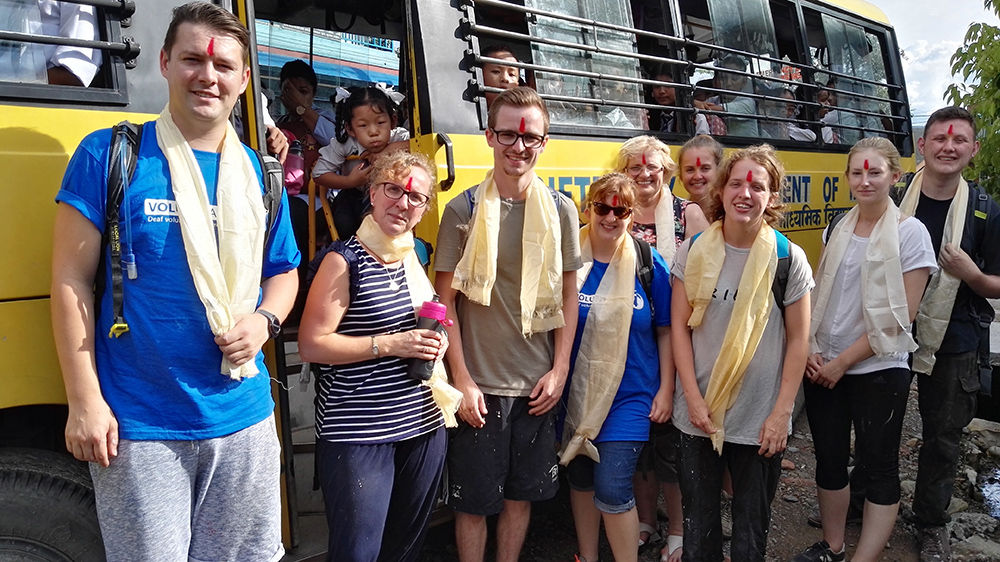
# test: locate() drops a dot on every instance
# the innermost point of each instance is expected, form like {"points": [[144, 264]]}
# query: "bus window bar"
{"points": [[691, 110], [128, 50], [125, 8], [681, 42], [477, 30], [481, 60]]}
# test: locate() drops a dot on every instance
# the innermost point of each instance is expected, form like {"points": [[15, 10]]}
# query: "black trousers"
{"points": [[755, 481]]}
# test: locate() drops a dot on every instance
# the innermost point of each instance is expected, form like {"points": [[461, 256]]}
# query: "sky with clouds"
{"points": [[929, 32]]}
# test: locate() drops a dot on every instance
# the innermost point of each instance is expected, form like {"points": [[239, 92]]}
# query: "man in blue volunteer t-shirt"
{"points": [[175, 415]]}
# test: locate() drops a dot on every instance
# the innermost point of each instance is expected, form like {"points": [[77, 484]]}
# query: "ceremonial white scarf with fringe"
{"points": [[225, 256], [934, 313], [541, 256], [393, 249], [600, 361], [886, 314], [749, 317]]}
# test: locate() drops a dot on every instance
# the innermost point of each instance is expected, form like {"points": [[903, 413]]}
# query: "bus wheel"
{"points": [[48, 509]]}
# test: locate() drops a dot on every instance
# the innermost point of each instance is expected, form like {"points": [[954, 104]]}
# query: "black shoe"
{"points": [[854, 517], [935, 545], [820, 552]]}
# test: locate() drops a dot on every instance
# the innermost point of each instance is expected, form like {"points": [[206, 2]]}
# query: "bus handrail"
{"points": [[125, 8], [128, 49], [449, 154]]}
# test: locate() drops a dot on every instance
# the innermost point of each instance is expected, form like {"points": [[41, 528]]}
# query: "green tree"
{"points": [[978, 62]]}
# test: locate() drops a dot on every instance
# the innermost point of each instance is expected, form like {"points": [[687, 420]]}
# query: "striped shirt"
{"points": [[374, 401]]}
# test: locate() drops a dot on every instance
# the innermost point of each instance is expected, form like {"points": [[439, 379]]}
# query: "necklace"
{"points": [[393, 283]]}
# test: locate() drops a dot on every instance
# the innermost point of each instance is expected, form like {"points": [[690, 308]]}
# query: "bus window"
{"points": [[556, 51], [853, 92], [46, 44], [340, 60]]}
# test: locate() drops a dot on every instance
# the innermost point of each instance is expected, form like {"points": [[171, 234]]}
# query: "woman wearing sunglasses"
{"points": [[380, 433], [664, 221], [621, 358]]}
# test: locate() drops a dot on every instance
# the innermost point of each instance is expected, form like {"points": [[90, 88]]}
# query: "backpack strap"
{"points": [[781, 271], [644, 271], [780, 282], [468, 194], [833, 224], [352, 259], [122, 158], [274, 185]]}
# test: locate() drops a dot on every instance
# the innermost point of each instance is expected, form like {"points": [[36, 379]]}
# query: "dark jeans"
{"points": [[379, 498], [947, 401], [875, 404], [755, 481]]}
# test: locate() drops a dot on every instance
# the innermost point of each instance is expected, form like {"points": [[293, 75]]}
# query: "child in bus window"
{"points": [[366, 129], [734, 103], [498, 75]]}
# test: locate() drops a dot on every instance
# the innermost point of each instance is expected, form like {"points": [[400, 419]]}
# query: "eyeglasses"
{"points": [[600, 209], [394, 192], [650, 169], [509, 138]]}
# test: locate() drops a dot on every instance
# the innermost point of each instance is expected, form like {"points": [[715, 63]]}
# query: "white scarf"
{"points": [[541, 256], [389, 250], [934, 313], [666, 240], [225, 256], [600, 361], [886, 313]]}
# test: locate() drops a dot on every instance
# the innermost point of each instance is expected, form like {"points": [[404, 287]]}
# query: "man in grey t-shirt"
{"points": [[502, 455]]}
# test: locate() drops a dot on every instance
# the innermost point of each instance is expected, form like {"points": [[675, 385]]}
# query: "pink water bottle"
{"points": [[433, 316], [295, 166]]}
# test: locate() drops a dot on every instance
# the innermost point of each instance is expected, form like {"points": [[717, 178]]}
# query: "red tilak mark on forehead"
{"points": [[951, 129], [409, 185], [522, 125], [643, 159], [866, 163], [614, 201], [211, 46], [697, 162], [749, 176]]}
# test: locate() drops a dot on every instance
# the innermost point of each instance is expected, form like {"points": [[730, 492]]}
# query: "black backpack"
{"points": [[126, 138]]}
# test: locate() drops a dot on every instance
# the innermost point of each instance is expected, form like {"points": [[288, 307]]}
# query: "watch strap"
{"points": [[273, 324]]}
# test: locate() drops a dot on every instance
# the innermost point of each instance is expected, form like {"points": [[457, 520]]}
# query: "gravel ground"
{"points": [[551, 537]]}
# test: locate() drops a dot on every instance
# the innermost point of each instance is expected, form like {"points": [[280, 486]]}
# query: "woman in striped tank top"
{"points": [[381, 437]]}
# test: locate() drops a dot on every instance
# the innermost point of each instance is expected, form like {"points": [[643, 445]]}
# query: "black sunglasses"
{"points": [[600, 209]]}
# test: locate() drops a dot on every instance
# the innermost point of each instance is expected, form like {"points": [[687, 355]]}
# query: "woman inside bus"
{"points": [[699, 159], [621, 361], [857, 371], [663, 221], [738, 378], [381, 438]]}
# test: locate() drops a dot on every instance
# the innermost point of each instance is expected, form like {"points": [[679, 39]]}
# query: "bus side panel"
{"points": [[30, 367], [34, 162]]}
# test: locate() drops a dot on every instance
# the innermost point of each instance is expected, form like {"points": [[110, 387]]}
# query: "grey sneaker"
{"points": [[820, 552], [934, 545]]}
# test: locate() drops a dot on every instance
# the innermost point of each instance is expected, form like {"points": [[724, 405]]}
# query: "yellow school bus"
{"points": [[593, 61]]}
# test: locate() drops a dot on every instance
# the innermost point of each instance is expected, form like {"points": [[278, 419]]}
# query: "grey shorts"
{"points": [[206, 500], [512, 457]]}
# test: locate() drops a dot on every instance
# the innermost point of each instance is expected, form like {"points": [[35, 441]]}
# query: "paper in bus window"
{"points": [[616, 12]]}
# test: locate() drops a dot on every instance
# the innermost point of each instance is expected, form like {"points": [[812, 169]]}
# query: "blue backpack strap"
{"points": [[781, 272], [644, 271], [340, 247]]}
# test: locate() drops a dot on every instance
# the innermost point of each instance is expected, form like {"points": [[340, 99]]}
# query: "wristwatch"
{"points": [[301, 110], [273, 325]]}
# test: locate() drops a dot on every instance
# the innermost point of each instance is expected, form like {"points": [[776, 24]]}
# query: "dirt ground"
{"points": [[551, 536]]}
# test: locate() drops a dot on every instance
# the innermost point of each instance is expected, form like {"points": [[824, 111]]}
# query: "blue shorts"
{"points": [[610, 479]]}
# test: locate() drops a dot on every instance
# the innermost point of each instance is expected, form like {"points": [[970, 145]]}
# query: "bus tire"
{"points": [[49, 512]]}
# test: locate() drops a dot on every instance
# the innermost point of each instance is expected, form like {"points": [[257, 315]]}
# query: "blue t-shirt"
{"points": [[162, 378], [628, 419]]}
